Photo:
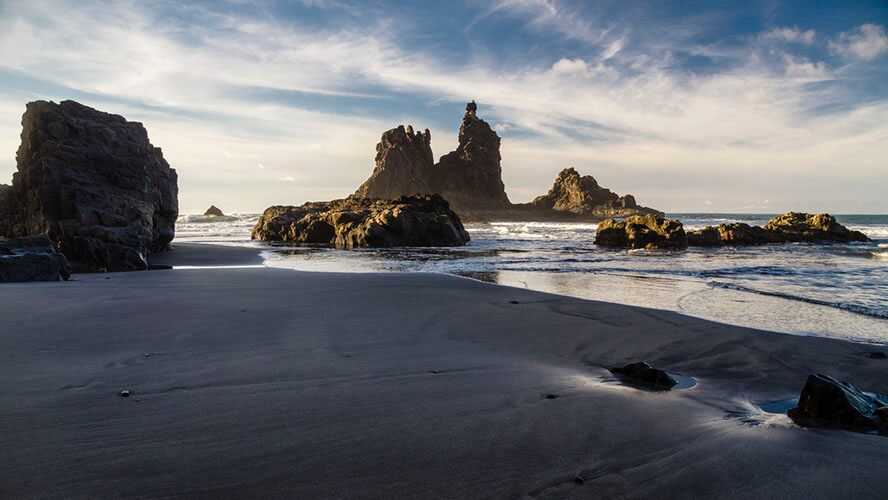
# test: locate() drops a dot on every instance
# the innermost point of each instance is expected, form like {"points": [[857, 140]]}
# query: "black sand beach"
{"points": [[258, 382]]}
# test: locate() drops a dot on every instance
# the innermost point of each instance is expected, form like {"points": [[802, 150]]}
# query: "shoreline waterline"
{"points": [[833, 290]]}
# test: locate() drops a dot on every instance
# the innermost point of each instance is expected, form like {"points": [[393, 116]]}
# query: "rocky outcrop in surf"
{"points": [[641, 231], [419, 220], [94, 184], [576, 194], [31, 259], [214, 211], [786, 228], [470, 178], [827, 402]]}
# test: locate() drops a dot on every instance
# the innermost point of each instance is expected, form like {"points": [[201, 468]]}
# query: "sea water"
{"points": [[831, 290]]}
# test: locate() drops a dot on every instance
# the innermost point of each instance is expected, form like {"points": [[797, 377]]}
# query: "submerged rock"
{"points": [[644, 374], [419, 220], [827, 402], [94, 184], [31, 259], [789, 227], [214, 211], [637, 231]]}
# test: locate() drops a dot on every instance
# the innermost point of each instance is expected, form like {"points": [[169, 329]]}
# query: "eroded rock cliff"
{"points": [[94, 184]]}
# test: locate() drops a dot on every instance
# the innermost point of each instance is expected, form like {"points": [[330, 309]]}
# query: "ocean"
{"points": [[833, 290]]}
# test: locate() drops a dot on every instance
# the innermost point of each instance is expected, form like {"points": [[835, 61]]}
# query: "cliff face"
{"points": [[94, 184], [470, 178], [403, 164]]}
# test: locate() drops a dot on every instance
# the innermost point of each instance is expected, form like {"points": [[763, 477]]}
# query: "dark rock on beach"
{"points": [[789, 227], [827, 402], [644, 374], [419, 220], [31, 259], [94, 184], [214, 211], [648, 231]]}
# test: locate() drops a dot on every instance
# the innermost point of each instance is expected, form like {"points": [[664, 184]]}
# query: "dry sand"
{"points": [[269, 382]]}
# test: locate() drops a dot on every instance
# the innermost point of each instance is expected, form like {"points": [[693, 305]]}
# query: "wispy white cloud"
{"points": [[790, 34], [866, 42]]}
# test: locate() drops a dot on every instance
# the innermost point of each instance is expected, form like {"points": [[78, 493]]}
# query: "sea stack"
{"points": [[93, 183], [469, 178]]}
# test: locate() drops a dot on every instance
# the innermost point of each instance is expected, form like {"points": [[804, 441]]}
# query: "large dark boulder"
{"points": [[31, 259], [92, 182], [644, 374], [827, 402], [789, 227], [419, 220], [641, 231]]}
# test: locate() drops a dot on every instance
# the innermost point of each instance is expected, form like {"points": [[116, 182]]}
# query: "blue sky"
{"points": [[695, 106]]}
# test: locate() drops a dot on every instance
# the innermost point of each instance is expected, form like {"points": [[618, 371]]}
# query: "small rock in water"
{"points": [[551, 396], [579, 479], [645, 374], [513, 302], [125, 393], [878, 355]]}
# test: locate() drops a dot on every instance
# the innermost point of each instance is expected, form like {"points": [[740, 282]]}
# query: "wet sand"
{"points": [[257, 382]]}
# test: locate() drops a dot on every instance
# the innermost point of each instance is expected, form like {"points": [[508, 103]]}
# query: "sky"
{"points": [[755, 106]]}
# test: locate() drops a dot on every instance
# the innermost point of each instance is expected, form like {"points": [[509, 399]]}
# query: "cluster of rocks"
{"points": [[31, 259], [418, 220], [786, 228], [641, 231], [827, 402], [94, 184], [656, 232], [470, 178]]}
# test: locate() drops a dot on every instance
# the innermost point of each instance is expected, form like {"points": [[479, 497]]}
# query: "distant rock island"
{"points": [[94, 184], [470, 179], [214, 211]]}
